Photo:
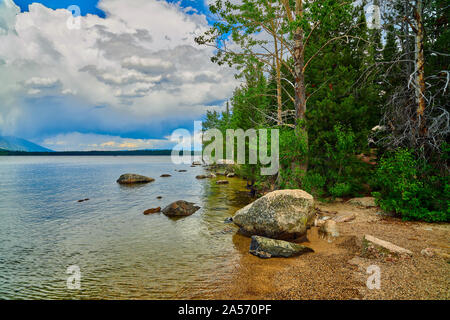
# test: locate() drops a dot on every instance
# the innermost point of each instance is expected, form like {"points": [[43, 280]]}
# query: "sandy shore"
{"points": [[328, 274]]}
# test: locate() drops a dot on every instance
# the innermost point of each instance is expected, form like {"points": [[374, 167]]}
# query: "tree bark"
{"points": [[299, 86], [299, 62], [278, 76], [407, 47], [300, 95], [420, 68]]}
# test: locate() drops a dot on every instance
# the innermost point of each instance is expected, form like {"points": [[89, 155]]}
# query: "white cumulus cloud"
{"points": [[137, 72]]}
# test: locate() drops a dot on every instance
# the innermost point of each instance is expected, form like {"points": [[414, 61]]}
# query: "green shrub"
{"points": [[333, 170], [314, 183], [340, 189], [412, 189], [293, 151], [344, 173]]}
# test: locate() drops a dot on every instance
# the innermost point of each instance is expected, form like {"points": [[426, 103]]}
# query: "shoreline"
{"points": [[333, 272], [234, 273]]}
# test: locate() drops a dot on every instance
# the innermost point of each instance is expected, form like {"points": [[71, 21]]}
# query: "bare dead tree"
{"points": [[416, 115], [399, 122]]}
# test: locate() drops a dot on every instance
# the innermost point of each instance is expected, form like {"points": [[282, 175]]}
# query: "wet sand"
{"points": [[327, 273]]}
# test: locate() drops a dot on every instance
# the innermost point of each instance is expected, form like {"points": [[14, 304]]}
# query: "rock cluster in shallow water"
{"points": [[266, 248]]}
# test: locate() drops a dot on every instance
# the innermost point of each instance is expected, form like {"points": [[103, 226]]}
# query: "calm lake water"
{"points": [[122, 254]]}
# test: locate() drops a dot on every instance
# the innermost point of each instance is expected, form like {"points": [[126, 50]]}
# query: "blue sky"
{"points": [[90, 6], [86, 6], [128, 74]]}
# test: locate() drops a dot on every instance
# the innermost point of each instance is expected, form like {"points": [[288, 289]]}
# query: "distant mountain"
{"points": [[17, 144]]}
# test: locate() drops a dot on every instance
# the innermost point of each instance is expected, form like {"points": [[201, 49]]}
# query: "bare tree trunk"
{"points": [[300, 96], [278, 76], [420, 68], [299, 86], [299, 60], [406, 40], [299, 63]]}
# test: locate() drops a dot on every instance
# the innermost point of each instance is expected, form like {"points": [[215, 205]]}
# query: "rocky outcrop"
{"points": [[231, 175], [282, 214], [266, 248], [130, 178], [374, 247], [180, 208], [365, 202], [222, 182], [153, 210]]}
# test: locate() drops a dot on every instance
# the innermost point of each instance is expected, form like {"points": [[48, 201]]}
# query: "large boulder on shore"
{"points": [[129, 178], [180, 208], [282, 214], [267, 248]]}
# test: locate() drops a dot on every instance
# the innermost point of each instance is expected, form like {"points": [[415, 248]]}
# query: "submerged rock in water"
{"points": [[165, 175], [182, 170], [180, 208], [281, 214], [266, 248], [130, 178], [153, 210]]}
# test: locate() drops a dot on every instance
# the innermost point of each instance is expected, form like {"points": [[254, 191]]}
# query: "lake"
{"points": [[121, 253]]}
